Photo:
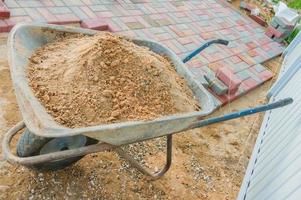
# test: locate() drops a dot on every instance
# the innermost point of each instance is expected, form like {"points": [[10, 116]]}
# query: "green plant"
{"points": [[275, 1], [296, 4], [290, 38]]}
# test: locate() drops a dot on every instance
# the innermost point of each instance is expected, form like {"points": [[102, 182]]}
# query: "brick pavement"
{"points": [[180, 25]]}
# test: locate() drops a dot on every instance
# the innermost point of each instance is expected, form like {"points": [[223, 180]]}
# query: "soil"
{"points": [[90, 80], [208, 162], [266, 9]]}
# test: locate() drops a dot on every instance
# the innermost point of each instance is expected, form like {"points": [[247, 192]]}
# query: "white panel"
{"points": [[274, 170], [263, 170], [296, 192], [288, 164]]}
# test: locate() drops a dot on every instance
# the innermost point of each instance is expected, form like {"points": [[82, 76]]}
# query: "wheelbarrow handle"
{"points": [[204, 46], [250, 111]]}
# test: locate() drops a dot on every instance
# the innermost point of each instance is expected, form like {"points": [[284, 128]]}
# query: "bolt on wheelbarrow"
{"points": [[46, 144]]}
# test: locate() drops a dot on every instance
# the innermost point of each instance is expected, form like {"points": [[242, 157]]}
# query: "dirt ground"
{"points": [[208, 162], [266, 10]]}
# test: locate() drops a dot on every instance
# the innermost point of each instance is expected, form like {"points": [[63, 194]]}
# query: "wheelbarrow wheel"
{"points": [[30, 144]]}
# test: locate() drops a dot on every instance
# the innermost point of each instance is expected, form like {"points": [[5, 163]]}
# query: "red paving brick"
{"points": [[259, 20], [4, 11], [227, 76], [95, 24], [274, 32]]}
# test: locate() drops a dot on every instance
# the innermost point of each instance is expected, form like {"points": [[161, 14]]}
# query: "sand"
{"points": [[90, 80]]}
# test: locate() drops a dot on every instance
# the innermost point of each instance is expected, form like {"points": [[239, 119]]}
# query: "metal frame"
{"points": [[145, 171], [30, 36], [100, 147]]}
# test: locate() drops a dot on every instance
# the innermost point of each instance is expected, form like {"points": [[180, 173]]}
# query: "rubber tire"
{"points": [[30, 144]]}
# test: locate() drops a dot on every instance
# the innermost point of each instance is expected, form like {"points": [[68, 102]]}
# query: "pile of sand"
{"points": [[90, 80]]}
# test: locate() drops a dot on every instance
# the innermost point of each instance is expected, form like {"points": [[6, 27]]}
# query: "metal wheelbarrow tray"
{"points": [[24, 39]]}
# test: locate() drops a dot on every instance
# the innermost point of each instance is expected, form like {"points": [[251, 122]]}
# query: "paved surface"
{"points": [[180, 25]]}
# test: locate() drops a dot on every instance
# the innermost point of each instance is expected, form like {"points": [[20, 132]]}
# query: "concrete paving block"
{"points": [[243, 5], [284, 31], [229, 78], [95, 24], [202, 80], [258, 19], [216, 85], [243, 75], [274, 23], [274, 32], [282, 22]]}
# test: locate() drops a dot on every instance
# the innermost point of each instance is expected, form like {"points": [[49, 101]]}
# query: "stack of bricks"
{"points": [[223, 81], [214, 83], [279, 29], [227, 76]]}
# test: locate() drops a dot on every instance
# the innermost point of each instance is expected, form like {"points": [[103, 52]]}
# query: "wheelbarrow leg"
{"points": [[138, 166]]}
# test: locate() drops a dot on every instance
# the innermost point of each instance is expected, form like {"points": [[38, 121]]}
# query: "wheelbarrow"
{"points": [[47, 145]]}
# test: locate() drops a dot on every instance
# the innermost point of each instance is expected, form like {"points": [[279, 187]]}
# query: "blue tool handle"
{"points": [[204, 46], [242, 113]]}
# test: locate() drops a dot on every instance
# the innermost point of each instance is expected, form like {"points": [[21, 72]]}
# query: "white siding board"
{"points": [[274, 170]]}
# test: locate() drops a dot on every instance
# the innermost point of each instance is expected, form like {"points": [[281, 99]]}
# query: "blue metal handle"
{"points": [[204, 46], [242, 113]]}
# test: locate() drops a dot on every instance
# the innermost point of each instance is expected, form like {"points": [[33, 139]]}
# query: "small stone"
{"points": [[115, 63], [115, 113], [107, 93]]}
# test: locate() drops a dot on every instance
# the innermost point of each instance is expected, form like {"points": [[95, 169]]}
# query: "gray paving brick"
{"points": [[141, 33], [120, 23], [210, 74], [12, 4], [79, 13], [243, 75], [156, 30], [17, 11], [97, 8], [190, 46], [256, 78], [59, 10], [216, 85], [239, 67], [203, 81], [196, 71], [259, 59], [58, 3], [73, 2], [30, 4], [259, 68], [179, 46], [114, 10], [285, 31], [36, 16]]}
